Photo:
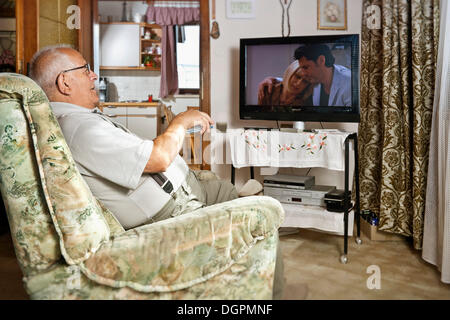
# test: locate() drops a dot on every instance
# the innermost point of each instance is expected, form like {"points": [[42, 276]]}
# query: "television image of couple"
{"points": [[297, 75]]}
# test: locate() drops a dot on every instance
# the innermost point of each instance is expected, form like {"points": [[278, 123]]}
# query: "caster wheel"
{"points": [[358, 240], [344, 259]]}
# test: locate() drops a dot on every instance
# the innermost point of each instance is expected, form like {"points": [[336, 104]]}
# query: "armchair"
{"points": [[71, 247]]}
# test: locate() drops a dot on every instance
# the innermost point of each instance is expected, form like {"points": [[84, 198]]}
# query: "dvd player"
{"points": [[289, 181], [313, 196]]}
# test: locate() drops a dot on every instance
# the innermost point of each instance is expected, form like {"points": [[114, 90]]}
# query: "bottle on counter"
{"points": [[102, 89], [124, 12]]}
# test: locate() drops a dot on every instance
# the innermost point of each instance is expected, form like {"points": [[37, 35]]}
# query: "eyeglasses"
{"points": [[86, 66]]}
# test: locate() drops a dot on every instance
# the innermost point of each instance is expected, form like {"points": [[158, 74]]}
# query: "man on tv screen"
{"points": [[331, 82]]}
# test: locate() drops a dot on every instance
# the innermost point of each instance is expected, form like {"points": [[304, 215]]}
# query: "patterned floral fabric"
{"points": [[34, 236], [397, 89], [78, 250], [249, 278], [77, 217]]}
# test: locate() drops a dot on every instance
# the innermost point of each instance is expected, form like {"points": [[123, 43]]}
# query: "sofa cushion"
{"points": [[192, 248], [78, 218]]}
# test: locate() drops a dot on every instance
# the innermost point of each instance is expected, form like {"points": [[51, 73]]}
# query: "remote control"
{"points": [[195, 129]]}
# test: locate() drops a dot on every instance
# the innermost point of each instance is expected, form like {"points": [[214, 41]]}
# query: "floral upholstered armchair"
{"points": [[70, 247]]}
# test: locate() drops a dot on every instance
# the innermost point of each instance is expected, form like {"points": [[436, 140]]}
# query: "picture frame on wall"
{"points": [[332, 14], [240, 9]]}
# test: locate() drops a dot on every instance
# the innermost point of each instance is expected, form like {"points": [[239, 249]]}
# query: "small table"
{"points": [[323, 148]]}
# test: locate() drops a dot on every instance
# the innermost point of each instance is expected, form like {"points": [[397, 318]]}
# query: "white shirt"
{"points": [[112, 159], [341, 88]]}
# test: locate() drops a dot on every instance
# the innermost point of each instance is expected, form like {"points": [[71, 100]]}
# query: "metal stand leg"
{"points": [[233, 172], [357, 204], [347, 205], [344, 258]]}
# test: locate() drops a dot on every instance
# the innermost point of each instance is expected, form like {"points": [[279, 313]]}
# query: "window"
{"points": [[188, 59]]}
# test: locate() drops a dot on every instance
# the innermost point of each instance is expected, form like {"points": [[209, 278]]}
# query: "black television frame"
{"points": [[323, 113]]}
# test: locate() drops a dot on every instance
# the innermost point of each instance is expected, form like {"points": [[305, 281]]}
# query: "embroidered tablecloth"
{"points": [[262, 148]]}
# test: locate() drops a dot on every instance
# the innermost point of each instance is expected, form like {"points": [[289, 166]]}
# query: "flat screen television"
{"points": [[311, 78]]}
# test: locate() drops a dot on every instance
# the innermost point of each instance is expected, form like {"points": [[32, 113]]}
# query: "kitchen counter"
{"points": [[129, 104]]}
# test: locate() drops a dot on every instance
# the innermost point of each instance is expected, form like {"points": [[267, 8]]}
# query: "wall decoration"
{"points": [[240, 9], [332, 14]]}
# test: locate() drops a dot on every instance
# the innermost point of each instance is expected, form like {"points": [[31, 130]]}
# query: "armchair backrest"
{"points": [[51, 211]]}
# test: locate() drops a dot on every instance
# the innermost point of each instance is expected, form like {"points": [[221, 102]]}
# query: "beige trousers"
{"points": [[194, 194]]}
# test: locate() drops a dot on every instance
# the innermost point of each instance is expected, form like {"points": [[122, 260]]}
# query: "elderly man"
{"points": [[140, 181]]}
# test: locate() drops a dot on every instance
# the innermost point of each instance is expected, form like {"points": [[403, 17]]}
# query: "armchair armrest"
{"points": [[177, 253]]}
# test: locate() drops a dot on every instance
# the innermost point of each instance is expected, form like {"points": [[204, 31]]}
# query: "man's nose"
{"points": [[94, 76]]}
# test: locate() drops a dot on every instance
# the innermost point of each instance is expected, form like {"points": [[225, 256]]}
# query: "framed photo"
{"points": [[240, 9], [332, 14]]}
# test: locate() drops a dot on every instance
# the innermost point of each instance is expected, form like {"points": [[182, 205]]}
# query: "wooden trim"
{"points": [[205, 70], [20, 36], [27, 33], [85, 33], [205, 67]]}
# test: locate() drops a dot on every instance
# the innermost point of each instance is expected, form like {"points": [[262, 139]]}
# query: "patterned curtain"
{"points": [[398, 65], [168, 14]]}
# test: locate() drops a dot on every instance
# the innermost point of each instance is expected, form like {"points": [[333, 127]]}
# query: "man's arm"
{"points": [[168, 145]]}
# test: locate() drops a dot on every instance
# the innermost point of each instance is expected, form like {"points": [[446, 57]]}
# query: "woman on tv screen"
{"points": [[293, 90]]}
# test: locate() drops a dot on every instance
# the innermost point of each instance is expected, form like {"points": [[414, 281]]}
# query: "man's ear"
{"points": [[321, 60], [62, 84]]}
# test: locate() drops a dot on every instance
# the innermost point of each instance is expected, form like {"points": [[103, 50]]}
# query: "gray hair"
{"points": [[46, 64]]}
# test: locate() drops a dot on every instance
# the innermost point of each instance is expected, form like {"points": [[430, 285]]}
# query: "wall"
{"points": [[225, 69], [52, 23]]}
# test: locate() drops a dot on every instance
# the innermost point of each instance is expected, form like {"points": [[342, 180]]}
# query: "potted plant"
{"points": [[148, 61]]}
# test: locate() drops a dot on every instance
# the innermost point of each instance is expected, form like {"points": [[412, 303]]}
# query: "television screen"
{"points": [[308, 78]]}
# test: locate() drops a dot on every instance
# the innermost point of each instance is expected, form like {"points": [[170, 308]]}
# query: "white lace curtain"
{"points": [[436, 237]]}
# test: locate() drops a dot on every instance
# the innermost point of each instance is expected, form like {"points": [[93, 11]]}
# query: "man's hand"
{"points": [[167, 145], [268, 83], [191, 118]]}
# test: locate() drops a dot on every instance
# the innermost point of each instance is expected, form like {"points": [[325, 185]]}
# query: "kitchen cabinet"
{"points": [[119, 45], [130, 46], [141, 118]]}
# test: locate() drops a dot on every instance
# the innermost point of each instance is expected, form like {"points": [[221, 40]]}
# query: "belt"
{"points": [[163, 182]]}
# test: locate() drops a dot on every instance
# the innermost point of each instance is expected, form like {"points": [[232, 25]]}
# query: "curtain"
{"points": [[436, 237], [168, 14], [398, 64]]}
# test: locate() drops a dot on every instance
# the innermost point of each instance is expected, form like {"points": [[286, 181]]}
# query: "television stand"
{"points": [[258, 144]]}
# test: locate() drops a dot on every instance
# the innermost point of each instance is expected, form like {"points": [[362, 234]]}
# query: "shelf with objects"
{"points": [[151, 50], [320, 148]]}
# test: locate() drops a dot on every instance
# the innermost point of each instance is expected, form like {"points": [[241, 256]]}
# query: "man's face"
{"points": [[81, 81], [310, 69]]}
